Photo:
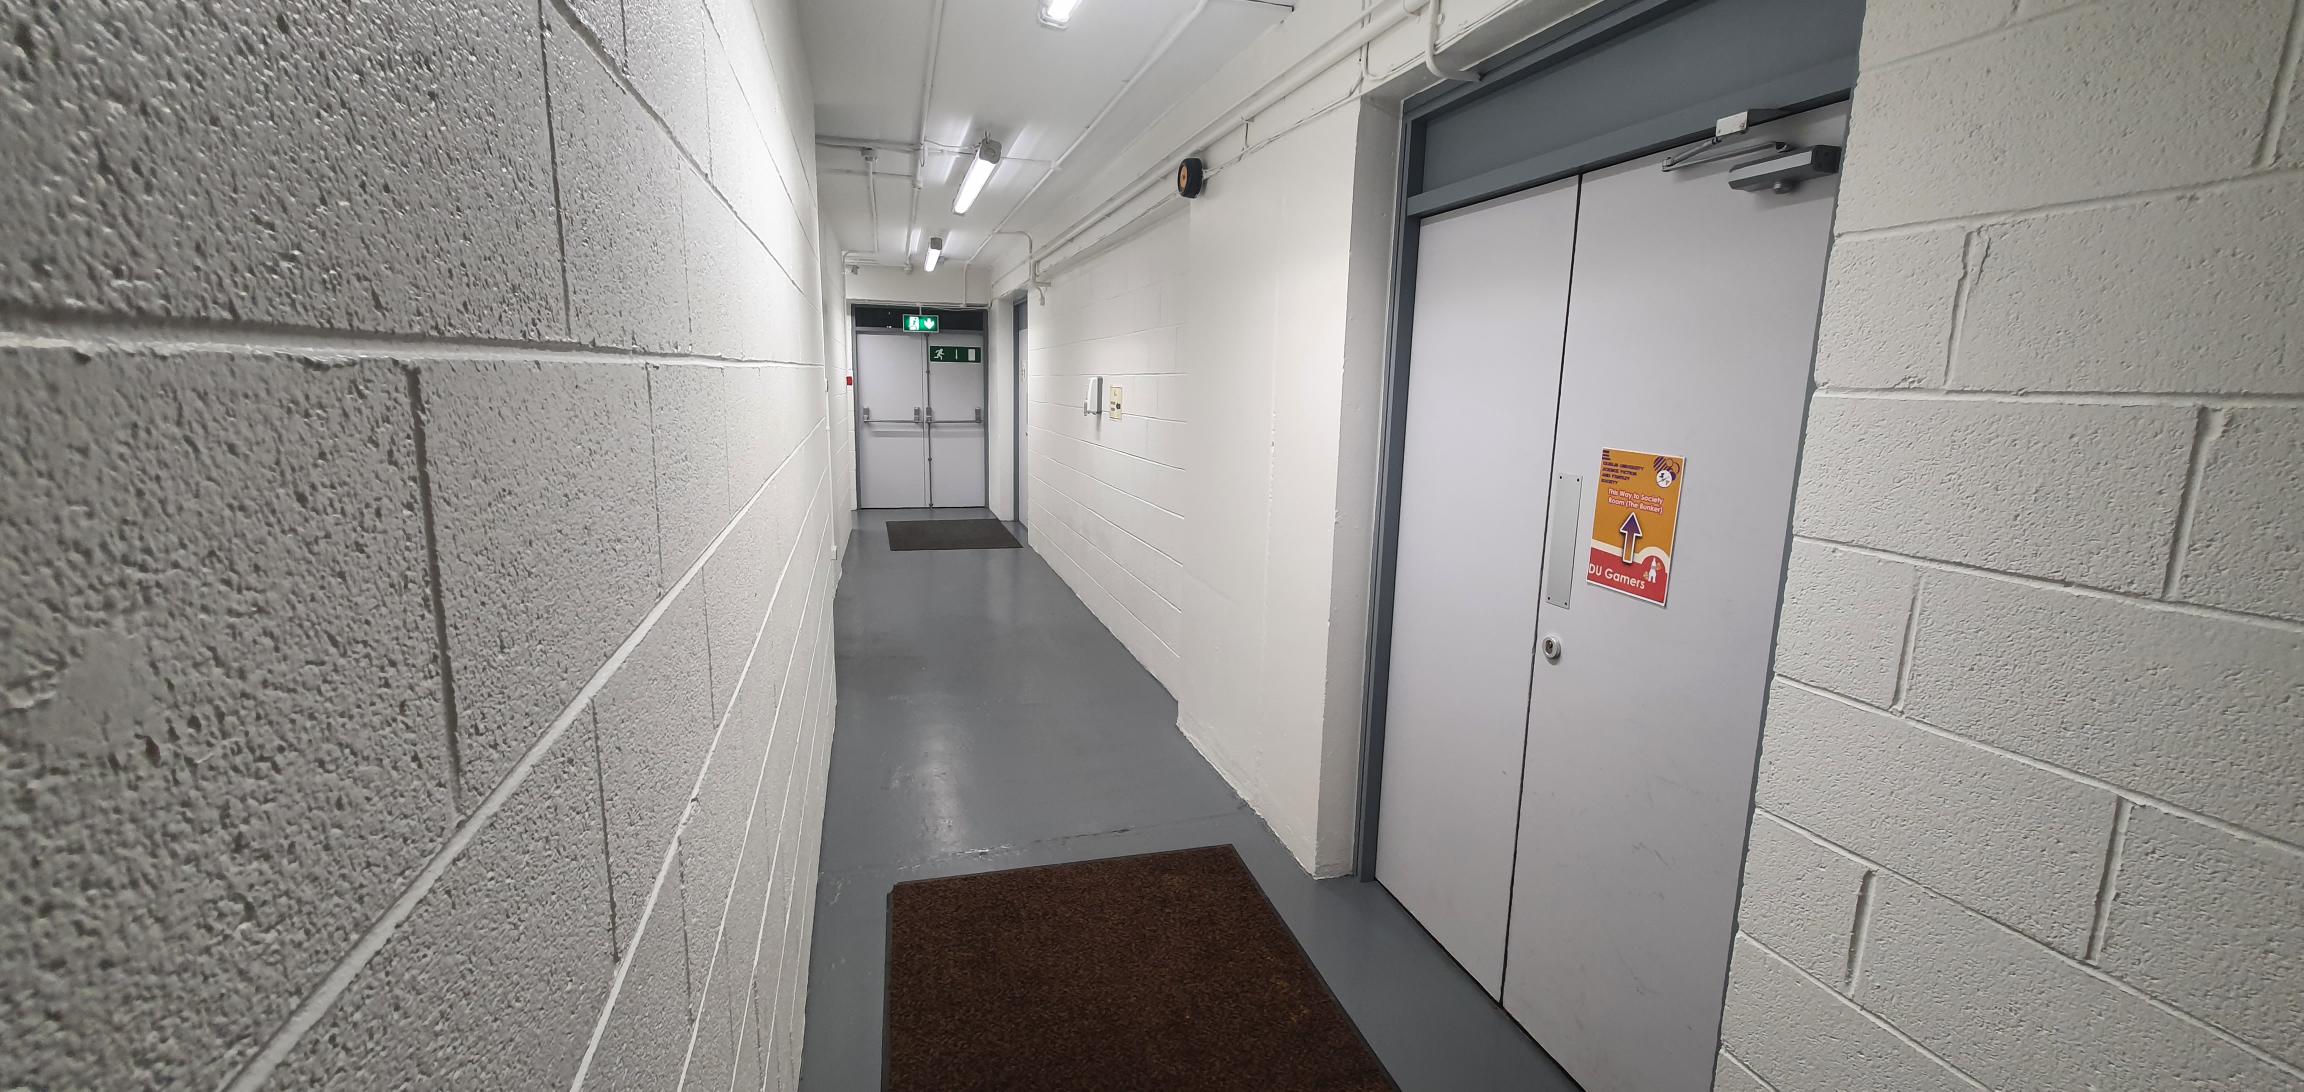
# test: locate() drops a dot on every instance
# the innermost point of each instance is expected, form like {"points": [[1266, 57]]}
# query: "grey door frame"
{"points": [[1575, 38], [856, 447], [1020, 318]]}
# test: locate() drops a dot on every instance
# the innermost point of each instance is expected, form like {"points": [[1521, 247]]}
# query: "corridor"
{"points": [[1756, 543], [987, 720]]}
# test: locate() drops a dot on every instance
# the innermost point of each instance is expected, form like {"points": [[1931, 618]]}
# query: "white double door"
{"points": [[1572, 829], [920, 430]]}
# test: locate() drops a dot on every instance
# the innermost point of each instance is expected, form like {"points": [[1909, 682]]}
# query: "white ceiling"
{"points": [[996, 71]]}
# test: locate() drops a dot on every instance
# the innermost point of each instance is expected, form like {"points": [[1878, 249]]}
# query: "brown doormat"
{"points": [[950, 534], [1168, 972]]}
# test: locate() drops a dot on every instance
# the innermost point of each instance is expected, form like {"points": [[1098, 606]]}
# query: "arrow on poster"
{"points": [[1639, 496]]}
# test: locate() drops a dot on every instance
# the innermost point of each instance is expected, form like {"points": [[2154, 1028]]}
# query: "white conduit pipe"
{"points": [[1432, 48], [1168, 41], [1341, 45], [920, 149], [872, 195], [1031, 262]]}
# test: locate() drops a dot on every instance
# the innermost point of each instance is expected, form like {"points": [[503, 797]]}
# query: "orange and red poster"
{"points": [[1633, 513]]}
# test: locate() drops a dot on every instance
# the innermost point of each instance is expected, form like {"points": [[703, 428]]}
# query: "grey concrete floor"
{"points": [[987, 720]]}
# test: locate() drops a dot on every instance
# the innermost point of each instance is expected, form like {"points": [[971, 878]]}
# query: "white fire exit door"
{"points": [[1608, 740], [957, 436], [920, 434], [891, 422]]}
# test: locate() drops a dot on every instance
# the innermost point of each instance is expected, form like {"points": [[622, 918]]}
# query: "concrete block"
{"points": [[2290, 149], [1887, 319], [619, 207], [1799, 898], [664, 51], [2086, 494], [497, 978], [2012, 1014], [603, 20], [645, 1043], [2245, 552], [770, 409], [786, 821], [746, 935], [738, 581], [655, 724], [2019, 843], [751, 1047], [2102, 100], [715, 843], [794, 825], [1803, 1037], [1895, 31], [793, 1011], [220, 732], [1729, 1075], [750, 571], [362, 167], [1844, 620], [688, 408], [745, 166], [782, 115], [728, 276], [2194, 292], [2197, 711], [2213, 925], [717, 837], [734, 152], [782, 999], [547, 535], [712, 1056]]}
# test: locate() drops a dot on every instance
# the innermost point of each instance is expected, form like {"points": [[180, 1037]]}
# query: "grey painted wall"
{"points": [[2032, 786], [416, 512]]}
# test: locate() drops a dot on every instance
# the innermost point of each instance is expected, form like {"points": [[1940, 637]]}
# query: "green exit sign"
{"points": [[955, 354], [922, 324]]}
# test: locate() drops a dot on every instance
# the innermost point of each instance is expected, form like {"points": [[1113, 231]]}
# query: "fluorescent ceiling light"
{"points": [[980, 168], [1057, 13], [935, 254]]}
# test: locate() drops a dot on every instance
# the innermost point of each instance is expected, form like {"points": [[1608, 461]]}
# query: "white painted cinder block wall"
{"points": [[1220, 526], [416, 519], [1225, 536], [1107, 496], [2032, 785]]}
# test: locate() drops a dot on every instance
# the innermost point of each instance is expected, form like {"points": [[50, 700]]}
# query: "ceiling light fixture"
{"points": [[980, 168], [935, 254], [1057, 13]]}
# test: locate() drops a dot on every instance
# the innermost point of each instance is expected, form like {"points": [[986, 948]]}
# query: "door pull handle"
{"points": [[1561, 549]]}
